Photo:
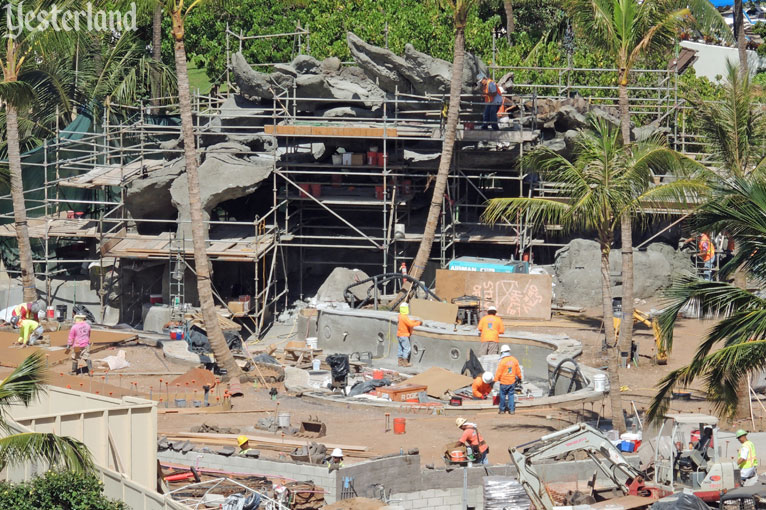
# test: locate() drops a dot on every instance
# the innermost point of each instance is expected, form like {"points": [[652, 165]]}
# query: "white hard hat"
{"points": [[505, 348], [337, 452], [404, 308], [460, 421], [487, 377], [491, 308]]}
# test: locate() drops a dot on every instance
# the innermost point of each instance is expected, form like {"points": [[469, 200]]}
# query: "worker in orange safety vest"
{"points": [[493, 99]]}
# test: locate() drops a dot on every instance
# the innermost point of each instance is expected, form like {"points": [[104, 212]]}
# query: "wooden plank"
{"points": [[516, 296], [433, 310], [269, 440], [440, 381]]}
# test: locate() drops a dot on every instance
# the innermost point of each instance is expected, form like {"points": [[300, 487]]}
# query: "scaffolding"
{"points": [[322, 211]]}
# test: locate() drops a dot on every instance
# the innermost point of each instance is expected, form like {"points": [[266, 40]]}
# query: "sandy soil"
{"points": [[428, 433]]}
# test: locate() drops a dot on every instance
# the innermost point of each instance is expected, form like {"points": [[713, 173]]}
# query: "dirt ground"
{"points": [[428, 433]]}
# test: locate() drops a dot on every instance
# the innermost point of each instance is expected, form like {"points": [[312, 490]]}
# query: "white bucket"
{"points": [[599, 382], [337, 159], [312, 342], [283, 420], [316, 364]]}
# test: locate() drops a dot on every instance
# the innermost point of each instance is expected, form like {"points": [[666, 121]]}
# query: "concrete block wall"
{"points": [[439, 499], [319, 474]]}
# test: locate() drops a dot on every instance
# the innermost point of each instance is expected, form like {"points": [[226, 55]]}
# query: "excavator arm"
{"points": [[651, 323], [580, 437]]}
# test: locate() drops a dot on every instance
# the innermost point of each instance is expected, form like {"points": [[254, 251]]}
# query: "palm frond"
{"points": [[56, 451], [24, 383], [17, 93]]}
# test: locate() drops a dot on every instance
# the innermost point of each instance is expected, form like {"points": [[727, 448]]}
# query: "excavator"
{"points": [[691, 470], [661, 355]]}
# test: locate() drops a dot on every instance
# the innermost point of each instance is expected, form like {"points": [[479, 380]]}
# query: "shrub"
{"points": [[57, 491]]}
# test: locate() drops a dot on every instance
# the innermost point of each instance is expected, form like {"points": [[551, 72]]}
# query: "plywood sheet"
{"points": [[439, 381], [516, 296], [433, 310]]}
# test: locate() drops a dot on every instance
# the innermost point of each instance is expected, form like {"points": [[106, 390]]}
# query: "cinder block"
{"points": [[441, 493], [419, 503], [407, 505], [434, 502], [453, 500], [455, 507]]}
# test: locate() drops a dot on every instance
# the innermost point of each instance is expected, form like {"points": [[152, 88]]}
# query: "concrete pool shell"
{"points": [[446, 345]]}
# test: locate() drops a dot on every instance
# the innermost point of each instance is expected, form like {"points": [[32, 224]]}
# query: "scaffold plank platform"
{"points": [[41, 228], [113, 175], [330, 130], [135, 246]]}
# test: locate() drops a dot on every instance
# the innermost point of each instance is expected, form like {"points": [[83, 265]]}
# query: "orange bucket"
{"points": [[377, 375], [399, 425], [457, 456]]}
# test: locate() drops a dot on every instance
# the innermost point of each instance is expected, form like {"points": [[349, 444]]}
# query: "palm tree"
{"points": [[21, 52], [626, 30], [607, 180], [223, 356], [736, 345], [459, 10], [735, 132], [23, 386], [739, 35]]}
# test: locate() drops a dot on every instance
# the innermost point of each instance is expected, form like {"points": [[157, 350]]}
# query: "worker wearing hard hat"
{"points": [[747, 461], [26, 311], [473, 441], [490, 328], [79, 343], [508, 374], [403, 334], [244, 445], [335, 461], [482, 385], [30, 331]]}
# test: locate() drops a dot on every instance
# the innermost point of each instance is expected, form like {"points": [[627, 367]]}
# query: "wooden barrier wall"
{"points": [[516, 296]]}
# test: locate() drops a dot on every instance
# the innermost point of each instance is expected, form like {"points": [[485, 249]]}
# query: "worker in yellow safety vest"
{"points": [[747, 461], [244, 445]]}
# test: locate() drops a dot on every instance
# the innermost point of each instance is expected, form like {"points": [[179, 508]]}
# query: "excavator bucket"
{"points": [[312, 428]]}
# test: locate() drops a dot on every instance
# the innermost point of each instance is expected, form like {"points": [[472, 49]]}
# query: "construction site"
{"points": [[316, 178]]}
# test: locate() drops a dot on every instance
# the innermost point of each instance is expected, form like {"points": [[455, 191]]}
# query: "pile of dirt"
{"points": [[356, 504]]}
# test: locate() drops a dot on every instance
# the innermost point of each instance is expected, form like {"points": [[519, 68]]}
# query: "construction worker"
{"points": [[403, 334], [336, 460], [747, 461], [79, 344], [473, 441], [493, 99], [30, 331], [482, 385], [244, 445], [508, 374], [26, 311], [490, 328], [705, 253]]}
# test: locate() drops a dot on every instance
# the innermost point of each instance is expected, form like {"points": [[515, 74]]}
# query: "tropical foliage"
{"points": [[21, 387], [58, 490]]}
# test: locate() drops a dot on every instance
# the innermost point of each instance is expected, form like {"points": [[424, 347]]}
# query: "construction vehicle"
{"points": [[625, 480], [661, 354], [696, 469], [687, 455], [745, 498]]}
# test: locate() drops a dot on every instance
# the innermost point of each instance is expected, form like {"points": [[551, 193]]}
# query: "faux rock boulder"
{"points": [[226, 174], [256, 86]]}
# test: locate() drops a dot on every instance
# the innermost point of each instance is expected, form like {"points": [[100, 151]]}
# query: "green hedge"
{"points": [[58, 491]]}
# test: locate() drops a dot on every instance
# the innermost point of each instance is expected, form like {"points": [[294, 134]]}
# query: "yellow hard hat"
{"points": [[404, 308], [460, 421], [242, 440]]}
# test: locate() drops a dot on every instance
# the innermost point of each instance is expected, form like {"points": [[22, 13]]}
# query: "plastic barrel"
{"points": [[599, 382], [400, 425], [283, 420]]}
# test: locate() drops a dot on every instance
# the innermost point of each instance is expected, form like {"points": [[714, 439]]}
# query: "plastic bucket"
{"points": [[400, 425], [312, 342], [377, 375], [51, 312], [283, 420], [61, 312], [316, 189], [316, 364], [599, 382], [337, 159], [372, 158]]}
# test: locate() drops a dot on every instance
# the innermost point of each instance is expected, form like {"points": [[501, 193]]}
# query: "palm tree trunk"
{"points": [[442, 176], [510, 23], [739, 33], [199, 231], [624, 108], [626, 226], [613, 352], [19, 207], [156, 52]]}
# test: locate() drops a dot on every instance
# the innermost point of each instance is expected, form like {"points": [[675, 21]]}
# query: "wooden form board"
{"points": [[439, 381], [361, 131], [433, 310], [516, 296]]}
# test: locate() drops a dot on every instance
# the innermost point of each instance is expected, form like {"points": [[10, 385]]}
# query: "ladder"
{"points": [[177, 268]]}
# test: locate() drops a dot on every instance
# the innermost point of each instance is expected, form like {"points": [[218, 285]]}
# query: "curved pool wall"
{"points": [[445, 345]]}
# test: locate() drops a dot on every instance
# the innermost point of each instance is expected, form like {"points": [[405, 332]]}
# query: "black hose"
{"points": [[552, 380]]}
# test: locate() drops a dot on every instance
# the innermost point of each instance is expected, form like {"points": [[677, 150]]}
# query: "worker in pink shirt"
{"points": [[79, 344]]}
